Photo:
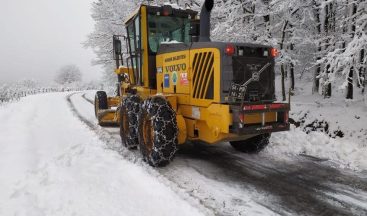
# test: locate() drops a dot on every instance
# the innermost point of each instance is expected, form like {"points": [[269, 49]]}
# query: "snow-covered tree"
{"points": [[109, 17], [68, 74], [344, 50], [320, 40]]}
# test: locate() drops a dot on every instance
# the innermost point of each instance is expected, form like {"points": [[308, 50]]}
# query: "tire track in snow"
{"points": [[134, 157], [309, 182], [302, 186], [87, 99], [204, 197]]}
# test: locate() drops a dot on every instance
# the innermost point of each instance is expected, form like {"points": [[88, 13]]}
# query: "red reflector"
{"points": [[274, 52], [254, 107], [229, 49]]}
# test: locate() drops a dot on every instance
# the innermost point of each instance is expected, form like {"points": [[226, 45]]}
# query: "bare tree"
{"points": [[68, 74]]}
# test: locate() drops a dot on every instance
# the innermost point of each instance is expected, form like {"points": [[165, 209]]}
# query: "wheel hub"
{"points": [[148, 135]]}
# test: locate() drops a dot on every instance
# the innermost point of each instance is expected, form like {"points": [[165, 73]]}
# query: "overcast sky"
{"points": [[37, 37]]}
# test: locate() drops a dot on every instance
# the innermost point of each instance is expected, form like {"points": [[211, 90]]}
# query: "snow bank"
{"points": [[346, 153], [51, 164], [332, 128]]}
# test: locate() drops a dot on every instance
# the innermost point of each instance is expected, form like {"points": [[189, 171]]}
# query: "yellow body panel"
{"points": [[182, 131], [108, 117], [212, 123], [113, 101], [144, 92], [175, 67]]}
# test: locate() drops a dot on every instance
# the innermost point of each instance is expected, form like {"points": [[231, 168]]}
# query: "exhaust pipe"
{"points": [[205, 21]]}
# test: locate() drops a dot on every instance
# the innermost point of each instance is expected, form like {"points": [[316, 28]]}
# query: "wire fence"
{"points": [[14, 93]]}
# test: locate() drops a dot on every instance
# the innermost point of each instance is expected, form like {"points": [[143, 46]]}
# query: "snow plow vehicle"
{"points": [[177, 85]]}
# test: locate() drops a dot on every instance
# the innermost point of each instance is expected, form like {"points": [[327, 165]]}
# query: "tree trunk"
{"points": [[284, 98], [349, 94], [292, 69], [327, 87], [327, 92], [316, 80], [350, 84], [292, 76], [362, 71], [282, 69]]}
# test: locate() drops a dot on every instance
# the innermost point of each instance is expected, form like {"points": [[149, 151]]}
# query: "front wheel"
{"points": [[100, 101], [129, 111], [158, 131], [253, 145]]}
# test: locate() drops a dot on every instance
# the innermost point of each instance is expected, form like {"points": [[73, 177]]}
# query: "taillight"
{"points": [[166, 10], [274, 52], [242, 117], [229, 50]]}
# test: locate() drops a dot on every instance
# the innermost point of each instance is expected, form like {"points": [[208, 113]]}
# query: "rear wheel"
{"points": [[129, 111], [158, 131], [252, 145], [100, 101]]}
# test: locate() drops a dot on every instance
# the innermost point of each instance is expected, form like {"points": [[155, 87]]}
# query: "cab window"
{"points": [[134, 36], [167, 29]]}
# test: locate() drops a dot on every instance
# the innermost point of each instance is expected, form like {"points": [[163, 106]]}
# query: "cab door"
{"points": [[134, 38]]}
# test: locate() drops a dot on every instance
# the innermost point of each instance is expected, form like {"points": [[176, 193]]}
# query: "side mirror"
{"points": [[117, 46], [117, 50]]}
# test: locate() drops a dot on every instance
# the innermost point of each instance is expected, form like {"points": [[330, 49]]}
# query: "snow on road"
{"points": [[221, 196], [56, 160], [51, 164]]}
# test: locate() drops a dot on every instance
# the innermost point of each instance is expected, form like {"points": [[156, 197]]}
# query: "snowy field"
{"points": [[56, 160]]}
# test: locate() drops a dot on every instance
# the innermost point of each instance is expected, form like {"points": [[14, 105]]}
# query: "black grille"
{"points": [[243, 69], [203, 75]]}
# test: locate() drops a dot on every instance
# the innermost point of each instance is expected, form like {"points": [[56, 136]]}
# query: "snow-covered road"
{"points": [[52, 164], [55, 160]]}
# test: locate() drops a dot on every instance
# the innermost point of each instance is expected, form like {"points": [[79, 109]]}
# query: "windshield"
{"points": [[167, 29]]}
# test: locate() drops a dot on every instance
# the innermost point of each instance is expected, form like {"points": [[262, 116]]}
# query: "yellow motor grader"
{"points": [[177, 85]]}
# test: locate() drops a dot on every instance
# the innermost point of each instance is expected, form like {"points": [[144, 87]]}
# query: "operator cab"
{"points": [[161, 25]]}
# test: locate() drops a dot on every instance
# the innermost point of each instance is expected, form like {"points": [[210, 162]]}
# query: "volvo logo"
{"points": [[255, 76], [254, 68]]}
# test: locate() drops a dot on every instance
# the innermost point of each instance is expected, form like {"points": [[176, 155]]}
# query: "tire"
{"points": [[100, 101], [158, 131], [253, 145], [129, 112]]}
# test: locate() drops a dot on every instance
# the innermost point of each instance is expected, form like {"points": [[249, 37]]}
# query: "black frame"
{"points": [[138, 50]]}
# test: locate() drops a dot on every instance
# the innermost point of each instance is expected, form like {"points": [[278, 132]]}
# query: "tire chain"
{"points": [[132, 104], [165, 129]]}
